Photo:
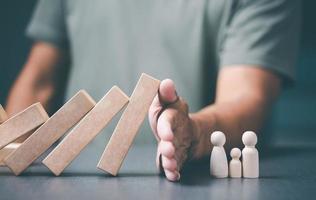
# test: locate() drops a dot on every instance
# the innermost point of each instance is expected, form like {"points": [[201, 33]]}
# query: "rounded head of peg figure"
{"points": [[249, 138], [218, 138], [235, 153]]}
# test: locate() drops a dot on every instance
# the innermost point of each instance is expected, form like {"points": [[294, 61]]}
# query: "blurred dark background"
{"points": [[295, 112]]}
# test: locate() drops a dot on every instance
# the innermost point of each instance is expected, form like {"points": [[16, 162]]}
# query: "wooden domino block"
{"points": [[6, 151], [129, 124], [22, 123], [86, 130], [9, 148], [54, 128], [3, 115]]}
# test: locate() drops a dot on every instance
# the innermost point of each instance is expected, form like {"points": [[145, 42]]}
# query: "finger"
{"points": [[168, 96], [169, 163], [167, 92], [153, 113], [164, 125], [180, 156], [182, 145], [166, 149], [172, 175]]}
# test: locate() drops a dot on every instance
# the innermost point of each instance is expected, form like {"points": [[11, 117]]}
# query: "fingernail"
{"points": [[176, 97]]}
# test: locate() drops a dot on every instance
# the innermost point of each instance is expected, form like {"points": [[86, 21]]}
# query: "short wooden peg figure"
{"points": [[235, 164]]}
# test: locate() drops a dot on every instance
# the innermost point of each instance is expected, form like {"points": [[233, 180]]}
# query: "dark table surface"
{"points": [[287, 171]]}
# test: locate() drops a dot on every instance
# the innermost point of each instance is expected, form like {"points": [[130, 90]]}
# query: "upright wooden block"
{"points": [[3, 115], [129, 124], [22, 123], [55, 127], [86, 130], [6, 151]]}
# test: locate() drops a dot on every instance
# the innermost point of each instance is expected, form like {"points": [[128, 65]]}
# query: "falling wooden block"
{"points": [[54, 128], [22, 123], [6, 151], [3, 115], [9, 148], [86, 130], [129, 124]]}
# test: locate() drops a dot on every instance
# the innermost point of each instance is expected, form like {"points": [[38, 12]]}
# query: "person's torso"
{"points": [[112, 42]]}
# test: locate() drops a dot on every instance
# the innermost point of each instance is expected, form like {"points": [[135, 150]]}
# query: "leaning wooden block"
{"points": [[10, 147], [6, 151], [3, 115], [22, 123], [87, 129], [54, 128], [129, 124]]}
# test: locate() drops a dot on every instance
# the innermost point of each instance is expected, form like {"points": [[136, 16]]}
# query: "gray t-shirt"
{"points": [[114, 41]]}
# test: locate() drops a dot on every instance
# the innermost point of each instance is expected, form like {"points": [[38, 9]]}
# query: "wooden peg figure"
{"points": [[218, 161], [250, 155], [235, 163]]}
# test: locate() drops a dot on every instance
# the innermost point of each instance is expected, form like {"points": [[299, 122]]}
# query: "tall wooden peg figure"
{"points": [[218, 161], [250, 155], [235, 164]]}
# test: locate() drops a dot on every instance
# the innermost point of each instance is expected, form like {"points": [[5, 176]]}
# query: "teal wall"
{"points": [[14, 15], [14, 46], [295, 113]]}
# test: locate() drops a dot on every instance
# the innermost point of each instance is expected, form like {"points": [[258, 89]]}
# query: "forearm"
{"points": [[232, 118], [27, 90], [244, 97], [35, 82]]}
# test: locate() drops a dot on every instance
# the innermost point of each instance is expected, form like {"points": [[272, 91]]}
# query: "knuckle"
{"points": [[183, 105]]}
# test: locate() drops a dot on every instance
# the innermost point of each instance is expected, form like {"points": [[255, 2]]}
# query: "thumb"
{"points": [[166, 96], [167, 92]]}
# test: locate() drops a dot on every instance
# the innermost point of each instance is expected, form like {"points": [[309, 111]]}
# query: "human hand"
{"points": [[176, 132]]}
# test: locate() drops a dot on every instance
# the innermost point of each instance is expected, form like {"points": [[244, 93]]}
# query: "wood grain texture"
{"points": [[129, 124], [23, 122], [3, 115], [6, 151], [54, 128], [87, 129]]}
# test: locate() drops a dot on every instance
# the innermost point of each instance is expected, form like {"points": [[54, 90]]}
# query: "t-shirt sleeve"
{"points": [[263, 33], [48, 23]]}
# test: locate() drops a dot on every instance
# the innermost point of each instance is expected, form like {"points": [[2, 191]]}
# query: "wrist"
{"points": [[203, 126], [205, 123]]}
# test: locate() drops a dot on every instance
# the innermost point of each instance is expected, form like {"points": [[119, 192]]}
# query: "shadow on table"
{"points": [[196, 173], [287, 151], [81, 174]]}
